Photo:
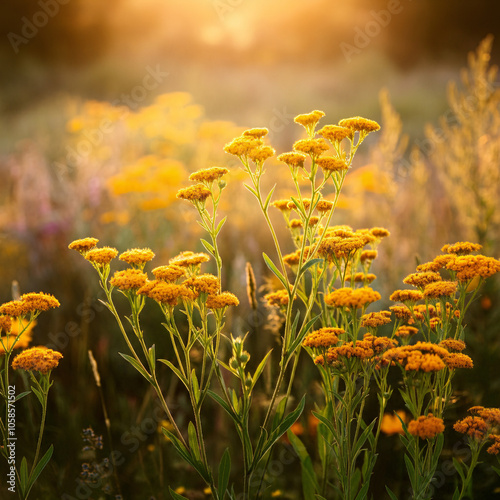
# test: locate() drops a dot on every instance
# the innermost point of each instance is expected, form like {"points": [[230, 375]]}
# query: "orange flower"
{"points": [[391, 424], [426, 427]]}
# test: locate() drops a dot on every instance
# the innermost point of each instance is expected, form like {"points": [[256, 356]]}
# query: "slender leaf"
{"points": [[22, 395], [39, 468], [268, 199], [411, 471], [195, 386], [38, 395], [208, 247], [176, 370], [252, 190], [193, 441], [390, 493], [136, 365], [307, 265], [456, 494], [219, 226], [175, 495], [152, 355], [363, 491], [23, 476], [303, 332], [259, 370], [310, 485], [459, 468], [224, 405], [496, 469], [274, 269], [326, 422], [224, 473]]}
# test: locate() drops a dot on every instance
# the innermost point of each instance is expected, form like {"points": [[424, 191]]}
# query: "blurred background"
{"points": [[106, 109]]}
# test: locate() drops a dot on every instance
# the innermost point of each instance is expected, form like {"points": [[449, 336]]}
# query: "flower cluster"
{"points": [[353, 298], [426, 426], [38, 359]]}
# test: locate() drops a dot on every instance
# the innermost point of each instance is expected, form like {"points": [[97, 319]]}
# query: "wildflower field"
{"points": [[196, 308]]}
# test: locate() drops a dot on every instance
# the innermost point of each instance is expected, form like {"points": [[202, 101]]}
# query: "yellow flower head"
{"points": [[324, 206], [256, 133], [458, 360], [391, 424], [453, 345], [205, 283], [222, 300], [165, 293], [5, 324], [312, 147], [293, 160], [169, 273], [440, 289], [39, 302], [38, 359], [361, 278], [129, 279], [474, 426], [379, 232], [261, 154], [338, 247], [295, 224], [401, 312], [292, 259], [14, 308], [137, 256], [335, 133], [494, 449], [188, 259], [101, 256], [281, 205], [426, 426], [198, 192], [421, 279], [368, 255], [352, 297], [462, 248], [308, 120], [241, 146], [406, 296], [406, 331], [360, 124], [322, 338], [208, 175], [278, 299], [83, 245], [467, 267], [332, 164], [376, 319]]}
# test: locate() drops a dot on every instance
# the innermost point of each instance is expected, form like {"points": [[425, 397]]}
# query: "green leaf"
{"points": [[219, 226], [362, 495], [22, 395], [496, 469], [176, 370], [268, 199], [456, 494], [38, 395], [361, 440], [275, 271], [23, 476], [278, 416], [208, 247], [152, 355], [310, 484], [279, 431], [175, 495], [328, 424], [411, 471], [252, 190], [259, 370], [193, 442], [307, 265], [299, 206], [224, 405], [300, 337], [459, 468], [195, 386], [39, 468], [136, 365], [224, 472], [391, 494]]}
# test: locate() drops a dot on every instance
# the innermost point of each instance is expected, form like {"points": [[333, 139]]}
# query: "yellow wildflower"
{"points": [[426, 426], [360, 124], [5, 324], [391, 424], [368, 255], [401, 312], [14, 308], [261, 154], [324, 206], [406, 331], [187, 259], [279, 298], [168, 273], [198, 192], [421, 279], [324, 337], [39, 301], [241, 146], [293, 160], [128, 279], [462, 248], [137, 256], [165, 293], [376, 319], [406, 296], [474, 426], [257, 133], [362, 278], [452, 344], [295, 224], [458, 360], [308, 120], [467, 267], [380, 232], [83, 245], [38, 359], [339, 247], [494, 449], [352, 297], [332, 164], [292, 259], [312, 147], [281, 205], [335, 133], [440, 289], [205, 283], [208, 175], [222, 300], [101, 256]]}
